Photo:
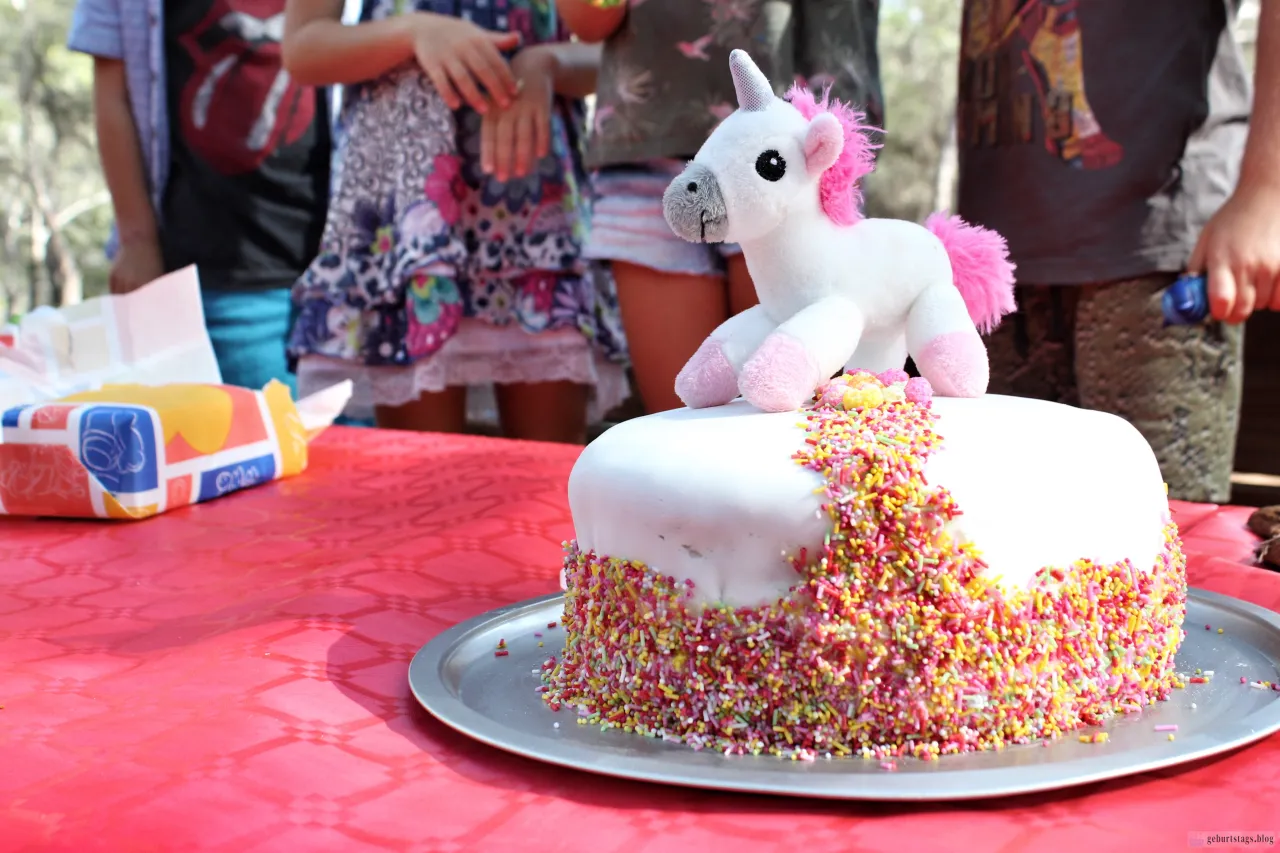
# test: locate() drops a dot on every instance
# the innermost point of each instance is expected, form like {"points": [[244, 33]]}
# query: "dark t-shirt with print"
{"points": [[249, 176], [1098, 136]]}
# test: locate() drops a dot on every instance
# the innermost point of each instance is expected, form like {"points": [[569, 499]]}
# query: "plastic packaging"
{"points": [[1186, 302]]}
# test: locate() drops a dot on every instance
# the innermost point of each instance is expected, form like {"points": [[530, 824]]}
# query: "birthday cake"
{"points": [[871, 564], [880, 576]]}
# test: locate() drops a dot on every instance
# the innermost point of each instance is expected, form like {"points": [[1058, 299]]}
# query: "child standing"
{"points": [[214, 156], [452, 253], [664, 85], [1126, 148]]}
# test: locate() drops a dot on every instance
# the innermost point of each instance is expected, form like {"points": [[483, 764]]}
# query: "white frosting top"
{"points": [[714, 495]]}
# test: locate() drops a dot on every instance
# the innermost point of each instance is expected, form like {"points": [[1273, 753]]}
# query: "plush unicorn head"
{"points": [[780, 178], [770, 158]]}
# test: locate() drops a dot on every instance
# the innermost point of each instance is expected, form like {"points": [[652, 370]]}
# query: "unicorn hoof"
{"points": [[781, 376], [956, 365], [707, 379]]}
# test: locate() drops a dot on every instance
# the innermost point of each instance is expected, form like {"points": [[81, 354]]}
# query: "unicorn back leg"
{"points": [[945, 345], [710, 377]]}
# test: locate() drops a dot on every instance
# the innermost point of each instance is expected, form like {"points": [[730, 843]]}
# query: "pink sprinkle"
{"points": [[919, 390], [833, 394], [888, 765], [537, 633], [1168, 728], [1244, 680], [1206, 627], [893, 377]]}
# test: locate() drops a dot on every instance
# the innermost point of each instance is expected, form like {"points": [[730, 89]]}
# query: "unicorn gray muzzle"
{"points": [[694, 206]]}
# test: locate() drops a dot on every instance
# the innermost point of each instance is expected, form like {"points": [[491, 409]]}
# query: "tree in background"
{"points": [[919, 46], [56, 211]]}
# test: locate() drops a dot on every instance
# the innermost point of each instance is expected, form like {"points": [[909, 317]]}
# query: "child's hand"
{"points": [[1239, 250], [460, 58], [514, 138], [136, 264]]}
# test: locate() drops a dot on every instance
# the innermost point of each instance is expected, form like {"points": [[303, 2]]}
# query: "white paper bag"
{"points": [[152, 336]]}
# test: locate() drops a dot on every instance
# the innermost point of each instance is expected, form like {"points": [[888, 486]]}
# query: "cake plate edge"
{"points": [[628, 756]]}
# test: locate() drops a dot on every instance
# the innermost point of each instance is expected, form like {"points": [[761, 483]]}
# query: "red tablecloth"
{"points": [[232, 677]]}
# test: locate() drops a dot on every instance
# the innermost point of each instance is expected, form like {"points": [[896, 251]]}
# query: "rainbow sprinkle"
{"points": [[892, 643]]}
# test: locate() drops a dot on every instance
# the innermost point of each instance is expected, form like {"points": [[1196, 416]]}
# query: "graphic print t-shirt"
{"points": [[1098, 135], [249, 179]]}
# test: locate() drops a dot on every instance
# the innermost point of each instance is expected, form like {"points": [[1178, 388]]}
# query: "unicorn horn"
{"points": [[752, 87]]}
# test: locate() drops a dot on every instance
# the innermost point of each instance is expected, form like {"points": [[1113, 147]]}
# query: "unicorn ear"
{"points": [[752, 87], [823, 143]]}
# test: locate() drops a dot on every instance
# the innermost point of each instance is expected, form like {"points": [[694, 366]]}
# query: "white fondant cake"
{"points": [[714, 495], [878, 574]]}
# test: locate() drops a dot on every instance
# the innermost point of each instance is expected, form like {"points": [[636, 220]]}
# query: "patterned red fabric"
{"points": [[232, 677]]}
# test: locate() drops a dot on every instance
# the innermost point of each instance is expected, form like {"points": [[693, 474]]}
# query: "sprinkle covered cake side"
{"points": [[894, 640]]}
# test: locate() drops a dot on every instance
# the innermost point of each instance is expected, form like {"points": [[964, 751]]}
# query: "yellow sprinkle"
{"points": [[1219, 630], [1170, 737], [539, 643]]}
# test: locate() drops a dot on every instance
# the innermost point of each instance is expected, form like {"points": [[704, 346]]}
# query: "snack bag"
{"points": [[134, 451]]}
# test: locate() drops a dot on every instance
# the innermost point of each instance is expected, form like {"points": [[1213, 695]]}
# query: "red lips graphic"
{"points": [[239, 104]]}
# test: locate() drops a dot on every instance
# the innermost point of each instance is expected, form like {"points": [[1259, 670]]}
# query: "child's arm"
{"points": [[591, 20], [139, 260], [96, 31], [458, 56], [512, 139], [573, 67], [1240, 246]]}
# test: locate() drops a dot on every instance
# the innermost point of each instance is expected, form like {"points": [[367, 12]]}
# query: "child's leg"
{"points": [[544, 411], [1032, 352], [440, 411], [1180, 386], [742, 290], [667, 316], [671, 293]]}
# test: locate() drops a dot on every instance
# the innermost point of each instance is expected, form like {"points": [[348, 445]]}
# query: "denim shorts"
{"points": [[627, 223]]}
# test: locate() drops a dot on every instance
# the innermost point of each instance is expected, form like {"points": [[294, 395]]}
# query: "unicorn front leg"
{"points": [[801, 354], [710, 378], [944, 344], [878, 353]]}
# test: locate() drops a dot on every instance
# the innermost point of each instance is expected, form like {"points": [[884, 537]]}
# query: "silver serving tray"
{"points": [[493, 699]]}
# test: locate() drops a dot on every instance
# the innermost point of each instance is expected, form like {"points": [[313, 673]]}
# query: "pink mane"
{"points": [[838, 187]]}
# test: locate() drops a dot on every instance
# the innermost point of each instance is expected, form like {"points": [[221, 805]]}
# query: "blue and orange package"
{"points": [[135, 451]]}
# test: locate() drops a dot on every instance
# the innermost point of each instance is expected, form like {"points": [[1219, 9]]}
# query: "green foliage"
{"points": [[46, 139], [919, 49]]}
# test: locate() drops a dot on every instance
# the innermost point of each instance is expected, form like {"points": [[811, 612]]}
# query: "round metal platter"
{"points": [[494, 699]]}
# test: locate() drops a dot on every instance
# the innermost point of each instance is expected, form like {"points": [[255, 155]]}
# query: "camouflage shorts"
{"points": [[1104, 347]]}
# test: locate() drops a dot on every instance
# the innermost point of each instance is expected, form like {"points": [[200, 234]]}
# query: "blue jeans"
{"points": [[249, 330]]}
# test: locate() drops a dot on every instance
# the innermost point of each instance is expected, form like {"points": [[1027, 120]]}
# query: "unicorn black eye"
{"points": [[771, 166]]}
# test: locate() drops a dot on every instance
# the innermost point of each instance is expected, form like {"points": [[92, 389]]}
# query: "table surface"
{"points": [[232, 677]]}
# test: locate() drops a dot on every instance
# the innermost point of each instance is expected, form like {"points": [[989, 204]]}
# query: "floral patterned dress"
{"points": [[432, 273]]}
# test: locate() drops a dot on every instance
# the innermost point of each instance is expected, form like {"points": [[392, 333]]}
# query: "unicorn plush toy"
{"points": [[780, 178]]}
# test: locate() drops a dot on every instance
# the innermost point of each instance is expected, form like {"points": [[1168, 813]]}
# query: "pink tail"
{"points": [[981, 267]]}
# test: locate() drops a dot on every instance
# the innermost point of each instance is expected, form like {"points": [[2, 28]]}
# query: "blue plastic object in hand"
{"points": [[1186, 302]]}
